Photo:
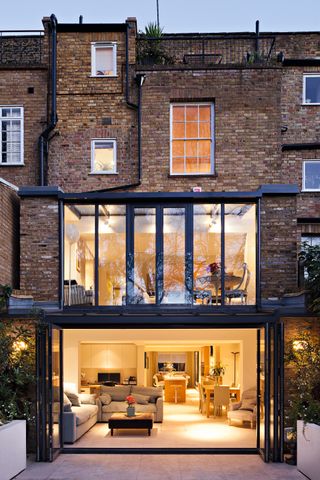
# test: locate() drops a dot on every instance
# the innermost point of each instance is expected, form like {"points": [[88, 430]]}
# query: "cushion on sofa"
{"points": [[74, 398], [141, 399], [87, 398], [152, 392], [105, 399], [66, 403], [248, 404], [84, 412], [117, 393], [122, 407]]}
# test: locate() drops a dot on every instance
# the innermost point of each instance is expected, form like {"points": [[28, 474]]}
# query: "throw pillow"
{"points": [[248, 404], [88, 398], [74, 398], [142, 399], [105, 399]]}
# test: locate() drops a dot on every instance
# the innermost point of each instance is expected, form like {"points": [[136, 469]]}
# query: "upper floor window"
{"points": [[11, 125], [104, 155], [103, 59], [311, 176], [191, 139], [312, 240], [311, 89]]}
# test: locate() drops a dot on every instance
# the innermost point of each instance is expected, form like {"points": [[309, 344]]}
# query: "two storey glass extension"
{"points": [[161, 255]]}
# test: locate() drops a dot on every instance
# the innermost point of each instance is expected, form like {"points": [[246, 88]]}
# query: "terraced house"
{"points": [[156, 192]]}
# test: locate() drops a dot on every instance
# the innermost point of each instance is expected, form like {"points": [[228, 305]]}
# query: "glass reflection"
{"points": [[56, 371], [79, 255], [240, 254], [174, 289], [144, 255], [112, 254], [206, 254]]}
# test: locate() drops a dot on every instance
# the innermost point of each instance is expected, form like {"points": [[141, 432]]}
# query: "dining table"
{"points": [[209, 389], [230, 280]]}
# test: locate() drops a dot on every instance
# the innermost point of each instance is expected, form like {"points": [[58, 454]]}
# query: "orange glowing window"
{"points": [[191, 139]]}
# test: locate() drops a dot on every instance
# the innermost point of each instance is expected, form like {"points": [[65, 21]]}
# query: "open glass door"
{"points": [[49, 392], [263, 438]]}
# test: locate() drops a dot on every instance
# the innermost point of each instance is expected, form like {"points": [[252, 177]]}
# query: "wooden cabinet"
{"points": [[129, 357], [114, 356], [99, 357], [110, 356], [85, 355]]}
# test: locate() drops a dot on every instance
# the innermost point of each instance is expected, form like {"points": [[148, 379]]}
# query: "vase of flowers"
{"points": [[131, 411]]}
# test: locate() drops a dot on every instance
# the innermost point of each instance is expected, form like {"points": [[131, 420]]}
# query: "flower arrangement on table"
{"points": [[213, 268], [131, 411]]}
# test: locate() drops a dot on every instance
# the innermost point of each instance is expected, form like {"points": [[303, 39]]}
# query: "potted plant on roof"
{"points": [[303, 414], [151, 49]]}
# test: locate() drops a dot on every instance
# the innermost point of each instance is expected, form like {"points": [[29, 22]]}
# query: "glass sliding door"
{"points": [[207, 254], [112, 254], [174, 256]]}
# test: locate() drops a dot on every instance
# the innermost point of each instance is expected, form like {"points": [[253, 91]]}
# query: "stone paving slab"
{"points": [[164, 467]]}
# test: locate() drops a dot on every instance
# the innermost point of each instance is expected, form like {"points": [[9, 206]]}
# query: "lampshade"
{"points": [[72, 233]]}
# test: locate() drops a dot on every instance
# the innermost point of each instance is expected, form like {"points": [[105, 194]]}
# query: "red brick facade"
{"points": [[9, 235]]}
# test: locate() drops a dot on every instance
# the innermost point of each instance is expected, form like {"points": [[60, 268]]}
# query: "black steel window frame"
{"points": [[159, 206]]}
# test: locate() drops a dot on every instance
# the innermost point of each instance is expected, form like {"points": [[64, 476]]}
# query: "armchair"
{"points": [[245, 410]]}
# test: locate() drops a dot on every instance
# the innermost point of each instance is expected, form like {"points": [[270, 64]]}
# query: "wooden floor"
{"points": [[183, 427]]}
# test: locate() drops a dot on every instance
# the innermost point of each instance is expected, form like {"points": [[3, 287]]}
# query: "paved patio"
{"points": [[175, 467]]}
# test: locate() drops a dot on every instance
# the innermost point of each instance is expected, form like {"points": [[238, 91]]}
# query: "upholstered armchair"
{"points": [[245, 410]]}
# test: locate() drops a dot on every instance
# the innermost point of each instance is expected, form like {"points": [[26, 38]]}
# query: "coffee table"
{"points": [[141, 420]]}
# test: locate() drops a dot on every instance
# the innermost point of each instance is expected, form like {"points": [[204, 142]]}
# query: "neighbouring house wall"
{"points": [[9, 236], [39, 248]]}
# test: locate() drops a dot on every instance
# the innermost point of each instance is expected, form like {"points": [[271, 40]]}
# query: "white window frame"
{"points": [[180, 104], [97, 45], [304, 189], [94, 141], [21, 118], [304, 90]]}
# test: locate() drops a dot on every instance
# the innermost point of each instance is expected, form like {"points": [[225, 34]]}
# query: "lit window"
{"points": [[11, 125], [311, 175], [311, 89], [103, 59], [104, 156], [191, 139]]}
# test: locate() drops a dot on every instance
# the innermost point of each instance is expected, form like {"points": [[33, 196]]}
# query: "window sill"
{"points": [[310, 104], [12, 164], [104, 173], [310, 191], [193, 175], [103, 76]]}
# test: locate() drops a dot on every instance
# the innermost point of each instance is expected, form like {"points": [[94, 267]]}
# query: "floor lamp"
{"points": [[72, 234], [234, 367]]}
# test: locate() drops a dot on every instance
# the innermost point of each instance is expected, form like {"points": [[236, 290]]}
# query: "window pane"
{"points": [[191, 165], [204, 148], [204, 113], [177, 148], [178, 113], [174, 290], [112, 254], [192, 130], [177, 165], [240, 254], [6, 112], [104, 157], [312, 90], [192, 113], [204, 164], [204, 130], [104, 61], [312, 175], [207, 254], [79, 255], [178, 130], [144, 255], [191, 148]]}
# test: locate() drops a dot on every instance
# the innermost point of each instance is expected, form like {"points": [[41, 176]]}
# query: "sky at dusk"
{"points": [[175, 15]]}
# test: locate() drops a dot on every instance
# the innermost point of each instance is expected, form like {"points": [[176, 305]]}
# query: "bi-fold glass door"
{"points": [[49, 392]]}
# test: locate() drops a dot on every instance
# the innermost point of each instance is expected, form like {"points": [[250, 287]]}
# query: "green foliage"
{"points": [[152, 30], [17, 371], [303, 357], [151, 49], [218, 370], [5, 293], [310, 255]]}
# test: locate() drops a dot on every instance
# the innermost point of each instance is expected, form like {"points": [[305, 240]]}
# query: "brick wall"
{"points": [[39, 245], [9, 236]]}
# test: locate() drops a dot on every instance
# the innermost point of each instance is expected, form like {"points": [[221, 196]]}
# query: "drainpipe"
{"points": [[44, 137], [140, 78]]}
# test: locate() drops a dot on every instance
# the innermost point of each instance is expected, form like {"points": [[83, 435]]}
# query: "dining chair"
{"points": [[241, 290], [221, 397], [202, 398]]}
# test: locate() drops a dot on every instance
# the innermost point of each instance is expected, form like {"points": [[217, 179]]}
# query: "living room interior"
{"points": [[199, 387]]}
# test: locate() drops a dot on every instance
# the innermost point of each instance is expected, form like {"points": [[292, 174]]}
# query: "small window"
{"points": [[104, 156], [311, 89], [191, 139], [311, 175], [103, 59], [312, 240], [11, 145]]}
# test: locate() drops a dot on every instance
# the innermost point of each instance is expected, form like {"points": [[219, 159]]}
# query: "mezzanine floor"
{"points": [[183, 427]]}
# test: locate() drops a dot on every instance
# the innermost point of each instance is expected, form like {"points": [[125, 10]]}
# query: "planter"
{"points": [[131, 411], [308, 449], [19, 303], [13, 452]]}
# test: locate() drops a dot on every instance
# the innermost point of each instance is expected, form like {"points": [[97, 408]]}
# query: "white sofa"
{"points": [[77, 420]]}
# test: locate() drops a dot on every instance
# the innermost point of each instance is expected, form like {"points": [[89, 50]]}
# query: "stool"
{"points": [[176, 392]]}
